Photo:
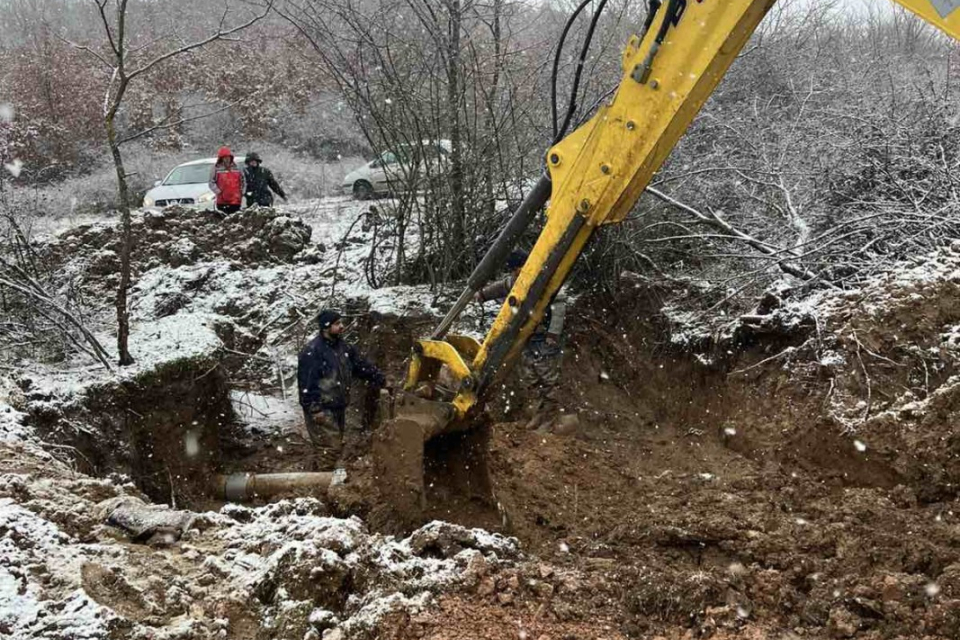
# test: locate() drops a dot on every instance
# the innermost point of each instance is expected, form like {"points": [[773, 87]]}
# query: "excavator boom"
{"points": [[596, 175]]}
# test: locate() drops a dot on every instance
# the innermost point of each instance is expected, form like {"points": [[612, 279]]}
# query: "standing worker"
{"points": [[540, 364], [325, 370], [227, 182], [261, 185]]}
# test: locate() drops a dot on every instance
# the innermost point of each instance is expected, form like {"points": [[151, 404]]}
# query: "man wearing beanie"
{"points": [[325, 371]]}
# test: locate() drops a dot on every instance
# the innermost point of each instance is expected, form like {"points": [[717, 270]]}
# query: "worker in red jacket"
{"points": [[227, 182]]}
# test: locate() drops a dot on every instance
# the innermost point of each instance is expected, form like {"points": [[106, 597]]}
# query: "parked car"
{"points": [[392, 171], [188, 184]]}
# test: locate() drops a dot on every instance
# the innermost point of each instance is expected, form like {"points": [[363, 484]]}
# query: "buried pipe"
{"points": [[244, 487]]}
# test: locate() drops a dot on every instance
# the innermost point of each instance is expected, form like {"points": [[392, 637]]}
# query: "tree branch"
{"points": [[170, 125], [219, 35], [714, 220]]}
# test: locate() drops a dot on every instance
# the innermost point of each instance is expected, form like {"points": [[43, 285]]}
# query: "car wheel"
{"points": [[362, 190]]}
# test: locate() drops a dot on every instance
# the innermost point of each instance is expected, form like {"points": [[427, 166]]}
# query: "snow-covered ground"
{"points": [[287, 568]]}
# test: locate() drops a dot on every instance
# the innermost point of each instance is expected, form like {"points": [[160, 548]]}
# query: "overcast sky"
{"points": [[856, 6]]}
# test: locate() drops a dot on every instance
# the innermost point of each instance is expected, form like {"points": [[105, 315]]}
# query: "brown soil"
{"points": [[737, 500], [777, 493]]}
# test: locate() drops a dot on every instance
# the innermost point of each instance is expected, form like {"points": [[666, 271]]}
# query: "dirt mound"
{"points": [[179, 236], [796, 477]]}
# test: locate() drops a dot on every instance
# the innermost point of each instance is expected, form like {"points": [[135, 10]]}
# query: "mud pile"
{"points": [[802, 484], [179, 236], [795, 478]]}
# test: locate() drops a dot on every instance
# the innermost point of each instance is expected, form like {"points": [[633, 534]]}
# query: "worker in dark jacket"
{"points": [[540, 364], [325, 372], [261, 184]]}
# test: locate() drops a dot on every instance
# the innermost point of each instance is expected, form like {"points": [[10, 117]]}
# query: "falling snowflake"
{"points": [[932, 589], [730, 431], [191, 444], [6, 113], [859, 446], [14, 167]]}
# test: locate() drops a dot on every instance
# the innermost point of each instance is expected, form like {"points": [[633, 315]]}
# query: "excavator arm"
{"points": [[596, 175], [943, 14]]}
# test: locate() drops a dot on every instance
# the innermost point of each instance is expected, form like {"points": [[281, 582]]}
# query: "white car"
{"points": [[188, 185], [387, 174]]}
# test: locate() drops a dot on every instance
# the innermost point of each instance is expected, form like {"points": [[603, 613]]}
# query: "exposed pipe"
{"points": [[242, 487]]}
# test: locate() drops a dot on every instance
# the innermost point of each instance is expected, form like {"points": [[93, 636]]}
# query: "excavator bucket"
{"points": [[431, 410], [398, 451]]}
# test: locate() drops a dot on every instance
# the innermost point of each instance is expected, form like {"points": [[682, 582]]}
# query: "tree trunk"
{"points": [[457, 242], [126, 246], [489, 121]]}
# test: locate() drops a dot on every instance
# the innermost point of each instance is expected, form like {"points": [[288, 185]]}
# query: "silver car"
{"points": [[389, 172], [188, 184]]}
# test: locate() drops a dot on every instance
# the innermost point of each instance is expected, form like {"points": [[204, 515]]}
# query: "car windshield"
{"points": [[189, 174]]}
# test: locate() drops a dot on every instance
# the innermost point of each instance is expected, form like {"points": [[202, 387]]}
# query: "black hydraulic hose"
{"points": [[673, 12], [556, 61], [572, 106], [651, 14], [519, 222]]}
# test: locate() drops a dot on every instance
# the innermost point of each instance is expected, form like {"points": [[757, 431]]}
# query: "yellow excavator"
{"points": [[594, 177]]}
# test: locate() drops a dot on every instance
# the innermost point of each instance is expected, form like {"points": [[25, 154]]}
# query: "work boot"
{"points": [[533, 424], [327, 458], [568, 424]]}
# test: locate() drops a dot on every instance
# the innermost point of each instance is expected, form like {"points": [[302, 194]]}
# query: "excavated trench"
{"points": [[174, 433], [169, 430]]}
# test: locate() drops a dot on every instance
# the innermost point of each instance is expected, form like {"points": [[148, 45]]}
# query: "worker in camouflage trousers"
{"points": [[540, 364], [325, 371], [261, 185]]}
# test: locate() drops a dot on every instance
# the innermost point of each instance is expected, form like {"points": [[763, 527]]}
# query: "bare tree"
{"points": [[126, 62], [452, 76]]}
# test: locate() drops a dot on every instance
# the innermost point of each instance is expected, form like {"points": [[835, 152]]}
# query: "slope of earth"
{"points": [[286, 570], [803, 485]]}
